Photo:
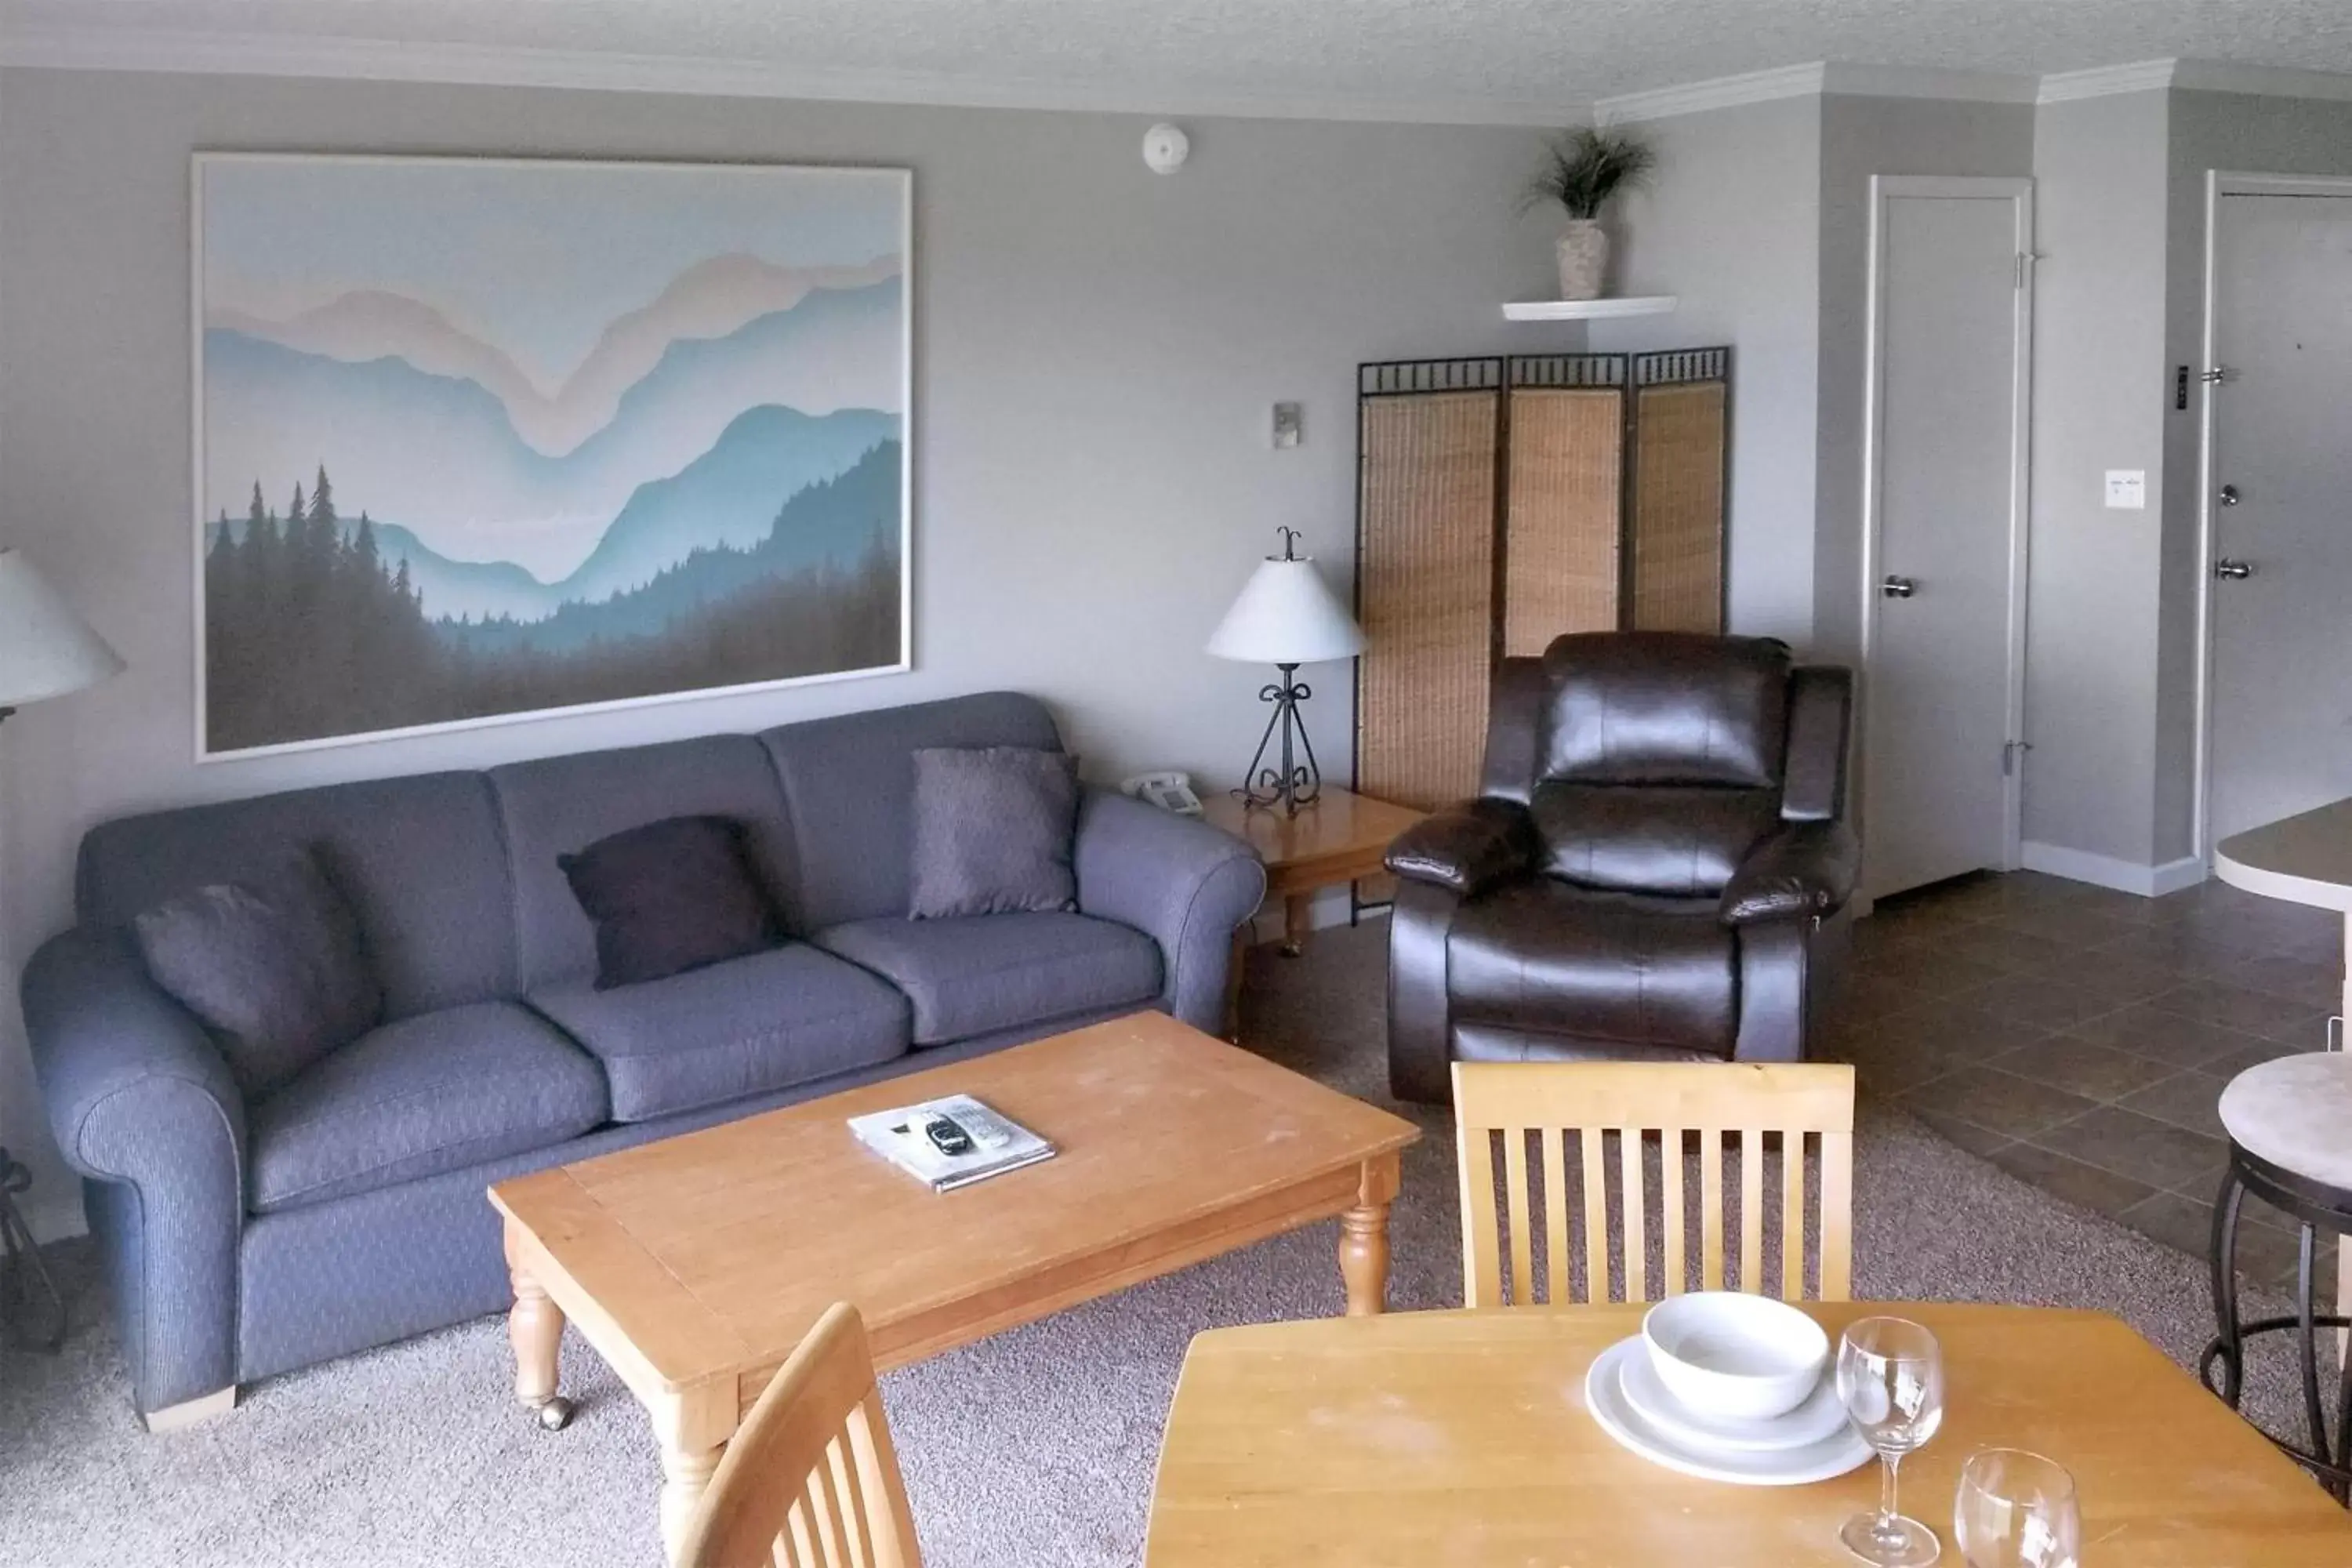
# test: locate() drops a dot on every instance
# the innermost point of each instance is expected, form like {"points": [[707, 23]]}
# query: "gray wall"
{"points": [[1862, 137], [1731, 226], [2238, 133], [2100, 397], [1097, 349]]}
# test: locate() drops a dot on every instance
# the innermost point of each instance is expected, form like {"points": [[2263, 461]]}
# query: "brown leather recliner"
{"points": [[1659, 837]]}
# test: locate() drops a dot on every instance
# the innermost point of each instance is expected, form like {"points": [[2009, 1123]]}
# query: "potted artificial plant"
{"points": [[1583, 169]]}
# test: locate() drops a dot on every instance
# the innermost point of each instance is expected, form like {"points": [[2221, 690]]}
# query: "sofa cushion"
{"points": [[558, 805], [427, 1094], [671, 896], [744, 1026], [977, 973], [849, 781], [419, 858], [993, 829], [271, 962], [1543, 956]]}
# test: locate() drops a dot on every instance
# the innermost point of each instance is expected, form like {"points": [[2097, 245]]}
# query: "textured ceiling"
{"points": [[1371, 52]]}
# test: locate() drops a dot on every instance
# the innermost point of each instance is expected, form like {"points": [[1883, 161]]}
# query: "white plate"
{"points": [[1834, 1455], [1817, 1418]]}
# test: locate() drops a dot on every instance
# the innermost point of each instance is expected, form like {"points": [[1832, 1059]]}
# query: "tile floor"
{"points": [[2079, 1038]]}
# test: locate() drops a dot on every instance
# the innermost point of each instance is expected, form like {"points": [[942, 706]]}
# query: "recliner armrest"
{"points": [[1807, 869], [1467, 848]]}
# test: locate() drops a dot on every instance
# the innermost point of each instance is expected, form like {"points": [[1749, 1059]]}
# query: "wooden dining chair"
{"points": [[1573, 1110], [810, 1479]]}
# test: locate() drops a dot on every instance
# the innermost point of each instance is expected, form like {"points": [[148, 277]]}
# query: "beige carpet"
{"points": [[1032, 1450]]}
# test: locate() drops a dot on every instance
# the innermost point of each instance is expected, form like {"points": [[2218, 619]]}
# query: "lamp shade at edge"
{"points": [[46, 650], [1285, 614]]}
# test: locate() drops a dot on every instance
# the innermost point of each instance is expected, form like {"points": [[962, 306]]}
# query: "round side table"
{"points": [[2290, 1127]]}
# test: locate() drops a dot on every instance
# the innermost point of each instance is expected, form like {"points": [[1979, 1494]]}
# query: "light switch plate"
{"points": [[2127, 489], [1289, 425]]}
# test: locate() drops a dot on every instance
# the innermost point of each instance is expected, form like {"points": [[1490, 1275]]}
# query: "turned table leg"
{"points": [[685, 1475], [535, 1328], [1298, 919], [1364, 1239]]}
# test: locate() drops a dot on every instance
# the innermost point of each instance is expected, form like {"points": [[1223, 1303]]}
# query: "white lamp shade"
{"points": [[46, 650], [1286, 615]]}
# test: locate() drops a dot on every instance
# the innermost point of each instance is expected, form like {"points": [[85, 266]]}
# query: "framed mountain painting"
{"points": [[479, 439]]}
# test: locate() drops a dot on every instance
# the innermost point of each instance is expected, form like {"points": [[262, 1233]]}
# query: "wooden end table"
{"points": [[694, 1265]]}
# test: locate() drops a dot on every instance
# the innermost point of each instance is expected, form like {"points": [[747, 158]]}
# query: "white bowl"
{"points": [[1725, 1353]]}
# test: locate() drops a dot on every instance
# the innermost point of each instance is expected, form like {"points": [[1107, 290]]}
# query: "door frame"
{"points": [[2219, 183], [2018, 191]]}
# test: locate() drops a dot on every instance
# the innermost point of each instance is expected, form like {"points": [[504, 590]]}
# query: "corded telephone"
{"points": [[1169, 790]]}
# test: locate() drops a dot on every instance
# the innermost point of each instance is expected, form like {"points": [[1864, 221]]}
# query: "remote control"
{"points": [[988, 1129]]}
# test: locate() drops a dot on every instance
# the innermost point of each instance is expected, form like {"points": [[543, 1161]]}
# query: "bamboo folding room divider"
{"points": [[1501, 501]]}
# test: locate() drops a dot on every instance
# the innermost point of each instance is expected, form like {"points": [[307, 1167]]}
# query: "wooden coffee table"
{"points": [[693, 1265]]}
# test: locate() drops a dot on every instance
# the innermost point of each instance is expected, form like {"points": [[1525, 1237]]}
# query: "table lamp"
{"points": [[45, 650], [1285, 618]]}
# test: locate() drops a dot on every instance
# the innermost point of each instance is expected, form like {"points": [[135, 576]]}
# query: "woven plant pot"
{"points": [[1583, 258]]}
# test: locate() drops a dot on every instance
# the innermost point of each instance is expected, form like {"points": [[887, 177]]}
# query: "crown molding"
{"points": [[1914, 81], [2107, 82], [1721, 92], [371, 59], [1814, 80], [2269, 81]]}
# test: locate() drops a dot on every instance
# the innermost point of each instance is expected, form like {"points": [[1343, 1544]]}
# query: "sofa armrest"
{"points": [[1467, 848], [1183, 883], [137, 1094], [1807, 869]]}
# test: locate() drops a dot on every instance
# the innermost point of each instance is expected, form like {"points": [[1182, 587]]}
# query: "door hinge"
{"points": [[2025, 260], [2218, 374], [2012, 755]]}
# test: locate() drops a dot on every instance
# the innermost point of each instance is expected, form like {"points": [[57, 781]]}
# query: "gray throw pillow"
{"points": [[995, 827], [272, 963]]}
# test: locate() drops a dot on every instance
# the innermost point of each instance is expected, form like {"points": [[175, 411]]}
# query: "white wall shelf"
{"points": [[1588, 310]]}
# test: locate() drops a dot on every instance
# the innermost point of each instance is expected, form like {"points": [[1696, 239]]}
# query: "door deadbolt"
{"points": [[2230, 496], [2235, 571], [1898, 587]]}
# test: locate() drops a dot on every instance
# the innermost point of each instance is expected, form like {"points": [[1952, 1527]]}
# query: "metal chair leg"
{"points": [[2228, 1342]]}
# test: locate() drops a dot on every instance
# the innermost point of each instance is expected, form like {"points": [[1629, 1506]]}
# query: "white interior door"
{"points": [[2282, 508], [1943, 616]]}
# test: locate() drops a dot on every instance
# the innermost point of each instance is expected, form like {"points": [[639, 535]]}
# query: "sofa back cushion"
{"points": [[1664, 708], [558, 805], [419, 858], [849, 783]]}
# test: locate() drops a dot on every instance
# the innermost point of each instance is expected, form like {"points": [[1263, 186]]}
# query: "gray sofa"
{"points": [[346, 1210]]}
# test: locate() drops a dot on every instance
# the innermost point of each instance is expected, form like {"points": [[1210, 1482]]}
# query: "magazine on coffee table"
{"points": [[950, 1142]]}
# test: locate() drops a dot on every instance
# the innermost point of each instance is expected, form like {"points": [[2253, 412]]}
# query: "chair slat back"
{"points": [[1748, 1104], [809, 1481]]}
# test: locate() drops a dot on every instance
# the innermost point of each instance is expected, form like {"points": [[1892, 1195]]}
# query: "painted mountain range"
{"points": [[558, 434]]}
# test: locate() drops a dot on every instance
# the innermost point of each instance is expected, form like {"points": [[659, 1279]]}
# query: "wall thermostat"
{"points": [[1165, 148]]}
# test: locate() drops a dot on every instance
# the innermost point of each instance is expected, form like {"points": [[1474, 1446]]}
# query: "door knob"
{"points": [[2230, 496], [2235, 571], [1898, 587]]}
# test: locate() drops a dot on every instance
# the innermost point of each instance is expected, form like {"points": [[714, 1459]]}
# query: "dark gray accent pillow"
{"points": [[994, 829], [671, 896], [273, 964]]}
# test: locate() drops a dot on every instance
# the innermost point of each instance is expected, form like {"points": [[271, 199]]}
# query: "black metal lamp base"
{"points": [[1293, 783], [23, 1274]]}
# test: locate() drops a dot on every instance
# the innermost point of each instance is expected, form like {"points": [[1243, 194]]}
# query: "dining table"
{"points": [[1449, 1440]]}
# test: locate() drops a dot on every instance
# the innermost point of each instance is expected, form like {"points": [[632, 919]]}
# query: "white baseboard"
{"points": [[2107, 871]]}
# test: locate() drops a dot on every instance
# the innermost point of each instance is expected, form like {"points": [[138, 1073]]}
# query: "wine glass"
{"points": [[2016, 1509], [1890, 1377]]}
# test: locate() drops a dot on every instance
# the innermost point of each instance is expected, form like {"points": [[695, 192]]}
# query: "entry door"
{"points": [[2281, 596], [1944, 561]]}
